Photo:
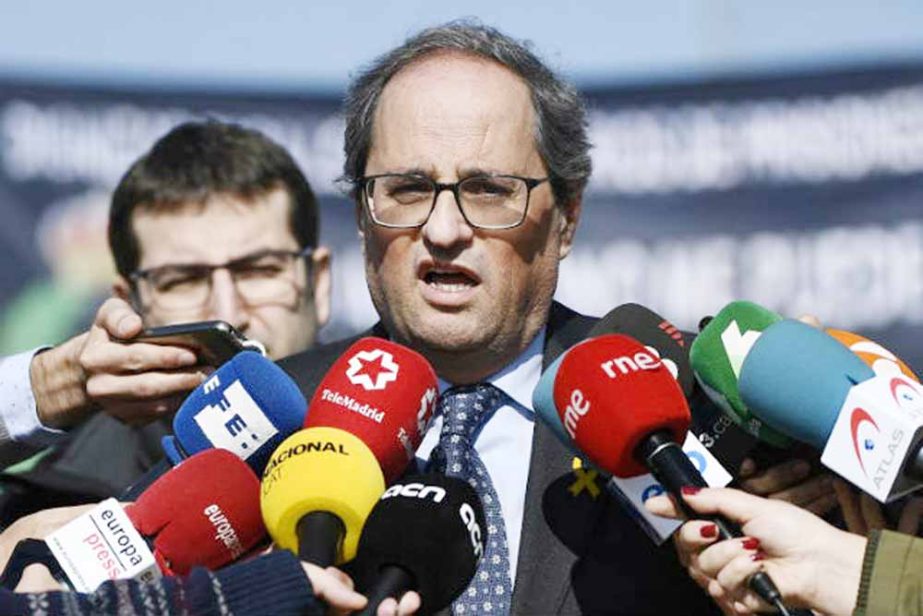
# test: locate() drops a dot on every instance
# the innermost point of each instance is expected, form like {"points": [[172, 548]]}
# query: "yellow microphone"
{"points": [[317, 491]]}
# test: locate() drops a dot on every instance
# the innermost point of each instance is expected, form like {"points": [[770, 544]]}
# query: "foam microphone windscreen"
{"points": [[382, 392], [205, 511], [656, 333], [878, 358], [796, 379], [320, 469], [247, 406], [433, 527], [611, 392], [717, 355]]}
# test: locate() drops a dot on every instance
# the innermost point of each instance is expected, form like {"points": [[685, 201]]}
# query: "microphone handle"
{"points": [[320, 538], [393, 581], [673, 469]]}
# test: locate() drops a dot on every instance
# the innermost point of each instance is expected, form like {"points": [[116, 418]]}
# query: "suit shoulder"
{"points": [[309, 367]]}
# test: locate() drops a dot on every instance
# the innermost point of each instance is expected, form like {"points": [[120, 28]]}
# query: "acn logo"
{"points": [[372, 369], [858, 417]]}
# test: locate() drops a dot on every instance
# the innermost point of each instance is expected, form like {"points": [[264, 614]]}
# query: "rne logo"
{"points": [[372, 370], [642, 360]]}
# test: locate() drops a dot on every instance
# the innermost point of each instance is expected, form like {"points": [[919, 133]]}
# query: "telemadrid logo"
{"points": [[372, 370]]}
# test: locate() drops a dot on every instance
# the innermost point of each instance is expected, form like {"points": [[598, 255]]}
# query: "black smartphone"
{"points": [[214, 342]]}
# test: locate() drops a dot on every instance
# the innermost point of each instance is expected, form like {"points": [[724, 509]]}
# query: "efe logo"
{"points": [[372, 370]]}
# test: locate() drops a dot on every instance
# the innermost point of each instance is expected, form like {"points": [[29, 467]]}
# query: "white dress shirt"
{"points": [[505, 441], [18, 415]]}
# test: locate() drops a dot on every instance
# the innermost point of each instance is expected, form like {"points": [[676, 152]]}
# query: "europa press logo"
{"points": [[862, 438], [372, 370]]}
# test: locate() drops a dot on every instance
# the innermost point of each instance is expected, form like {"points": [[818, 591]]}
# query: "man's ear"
{"points": [[320, 278], [570, 216]]}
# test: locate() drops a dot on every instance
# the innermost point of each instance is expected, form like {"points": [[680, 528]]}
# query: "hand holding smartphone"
{"points": [[214, 342]]}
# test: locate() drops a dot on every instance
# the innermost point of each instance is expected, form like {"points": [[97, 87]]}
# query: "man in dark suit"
{"points": [[468, 159]]}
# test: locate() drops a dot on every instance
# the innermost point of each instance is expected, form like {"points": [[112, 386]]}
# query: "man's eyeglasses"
{"points": [[405, 201], [264, 277]]}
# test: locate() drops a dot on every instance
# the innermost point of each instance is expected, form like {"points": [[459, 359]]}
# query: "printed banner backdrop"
{"points": [[801, 192]]}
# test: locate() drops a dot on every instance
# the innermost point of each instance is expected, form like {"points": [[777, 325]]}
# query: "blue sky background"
{"points": [[303, 45]]}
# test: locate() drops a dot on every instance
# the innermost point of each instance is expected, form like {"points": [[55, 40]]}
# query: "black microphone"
{"points": [[425, 534], [717, 432]]}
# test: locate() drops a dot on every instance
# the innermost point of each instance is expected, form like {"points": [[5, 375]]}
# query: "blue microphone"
{"points": [[796, 377], [248, 406]]}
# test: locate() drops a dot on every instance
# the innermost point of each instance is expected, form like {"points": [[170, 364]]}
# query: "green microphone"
{"points": [[717, 355]]}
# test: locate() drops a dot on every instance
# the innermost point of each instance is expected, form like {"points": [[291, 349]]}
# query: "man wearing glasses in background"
{"points": [[214, 222]]}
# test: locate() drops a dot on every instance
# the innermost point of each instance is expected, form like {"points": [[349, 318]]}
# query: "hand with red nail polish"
{"points": [[812, 563]]}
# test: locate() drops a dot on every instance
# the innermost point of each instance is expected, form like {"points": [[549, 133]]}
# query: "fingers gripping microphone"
{"points": [[383, 393], [425, 534], [717, 355], [317, 491], [624, 410], [205, 511], [809, 386], [247, 406]]}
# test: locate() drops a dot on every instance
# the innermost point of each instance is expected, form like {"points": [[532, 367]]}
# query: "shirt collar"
{"points": [[519, 378]]}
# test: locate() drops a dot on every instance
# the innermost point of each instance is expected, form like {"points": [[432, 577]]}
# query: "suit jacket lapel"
{"points": [[544, 563]]}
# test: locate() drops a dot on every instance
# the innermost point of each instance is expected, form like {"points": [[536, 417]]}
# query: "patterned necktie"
{"points": [[464, 410]]}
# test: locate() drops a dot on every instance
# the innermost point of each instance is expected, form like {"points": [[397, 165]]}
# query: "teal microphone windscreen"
{"points": [[796, 378]]}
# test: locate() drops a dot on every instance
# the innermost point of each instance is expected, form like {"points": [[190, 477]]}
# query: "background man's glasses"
{"points": [[264, 277], [406, 201]]}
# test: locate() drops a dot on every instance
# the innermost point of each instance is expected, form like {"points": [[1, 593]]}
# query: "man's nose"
{"points": [[446, 225], [225, 303]]}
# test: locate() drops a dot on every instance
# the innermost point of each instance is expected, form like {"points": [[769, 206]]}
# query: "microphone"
{"points": [[809, 386], [366, 420], [247, 406], [382, 392], [718, 440], [624, 409], [878, 358], [203, 512], [426, 533], [317, 490], [718, 353], [188, 518]]}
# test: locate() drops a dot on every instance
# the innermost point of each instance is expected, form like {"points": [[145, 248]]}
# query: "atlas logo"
{"points": [[856, 419], [372, 370], [906, 394], [415, 490], [642, 360]]}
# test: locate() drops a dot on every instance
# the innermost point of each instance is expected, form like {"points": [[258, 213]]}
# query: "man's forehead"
{"points": [[221, 227], [470, 109]]}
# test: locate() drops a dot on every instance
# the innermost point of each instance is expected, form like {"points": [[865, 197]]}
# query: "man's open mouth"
{"points": [[449, 278]]}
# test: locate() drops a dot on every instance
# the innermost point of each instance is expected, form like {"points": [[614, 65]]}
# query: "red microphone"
{"points": [[626, 412], [203, 512], [611, 394], [381, 392]]}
